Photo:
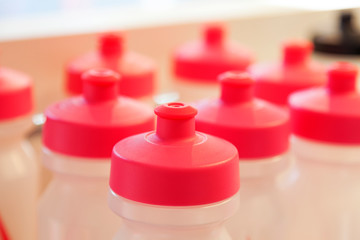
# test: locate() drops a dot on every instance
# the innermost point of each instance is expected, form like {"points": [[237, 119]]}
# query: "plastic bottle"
{"points": [[274, 82], [197, 64], [19, 170], [78, 136], [260, 131], [174, 183], [326, 144], [137, 71]]}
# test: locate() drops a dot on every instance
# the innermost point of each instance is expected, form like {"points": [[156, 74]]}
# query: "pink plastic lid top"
{"points": [[275, 82], [257, 128], [15, 94], [137, 71], [330, 113], [205, 59], [89, 125], [174, 165]]}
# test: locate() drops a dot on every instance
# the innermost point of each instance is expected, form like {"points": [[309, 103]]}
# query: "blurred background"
{"points": [[39, 37]]}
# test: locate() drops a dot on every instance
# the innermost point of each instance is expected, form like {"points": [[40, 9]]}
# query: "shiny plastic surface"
{"points": [[264, 194], [74, 205], [325, 199], [150, 222]]}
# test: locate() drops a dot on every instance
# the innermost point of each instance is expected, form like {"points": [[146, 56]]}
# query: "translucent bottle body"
{"points": [[19, 182], [35, 138], [74, 205], [150, 222], [327, 194], [264, 186]]}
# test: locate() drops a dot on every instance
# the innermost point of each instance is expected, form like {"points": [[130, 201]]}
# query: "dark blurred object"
{"points": [[346, 40]]}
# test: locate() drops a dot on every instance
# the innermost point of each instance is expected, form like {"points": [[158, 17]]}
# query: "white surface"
{"points": [[21, 19], [318, 5]]}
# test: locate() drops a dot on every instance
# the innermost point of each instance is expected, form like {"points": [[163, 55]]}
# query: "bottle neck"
{"points": [[297, 52], [170, 129], [214, 36], [290, 61], [233, 95]]}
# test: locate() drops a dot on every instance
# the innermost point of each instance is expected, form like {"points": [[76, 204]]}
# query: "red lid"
{"points": [[137, 71], [330, 113], [15, 94], [275, 82], [3, 233], [205, 59], [174, 165], [91, 124], [257, 128]]}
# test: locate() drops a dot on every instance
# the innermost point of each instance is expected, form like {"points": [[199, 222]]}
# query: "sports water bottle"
{"points": [[174, 183], [260, 131], [326, 143], [78, 137]]}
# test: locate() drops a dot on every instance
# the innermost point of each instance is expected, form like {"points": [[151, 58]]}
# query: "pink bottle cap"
{"points": [[3, 233], [212, 55], [174, 165], [16, 98], [330, 113], [275, 82], [89, 125], [137, 71], [257, 128]]}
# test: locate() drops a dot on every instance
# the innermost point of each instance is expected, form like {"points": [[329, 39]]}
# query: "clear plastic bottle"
{"points": [[78, 136], [326, 144], [260, 131], [174, 183], [137, 72], [19, 170], [197, 64], [274, 82]]}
